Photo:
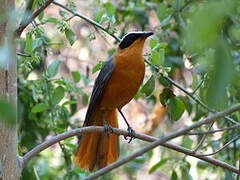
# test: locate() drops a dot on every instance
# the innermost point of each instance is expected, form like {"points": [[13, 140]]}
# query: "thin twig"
{"points": [[213, 131], [233, 121], [180, 9], [185, 5], [22, 54], [225, 145], [87, 19], [200, 84], [68, 19], [203, 138], [25, 23], [210, 160], [52, 117], [198, 101]]}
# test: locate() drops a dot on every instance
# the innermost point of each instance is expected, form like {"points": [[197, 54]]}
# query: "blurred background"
{"points": [[196, 43]]}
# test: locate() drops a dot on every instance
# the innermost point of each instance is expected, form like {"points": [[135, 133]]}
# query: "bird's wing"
{"points": [[98, 88]]}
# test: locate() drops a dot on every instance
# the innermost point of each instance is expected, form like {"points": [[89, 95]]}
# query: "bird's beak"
{"points": [[147, 34]]}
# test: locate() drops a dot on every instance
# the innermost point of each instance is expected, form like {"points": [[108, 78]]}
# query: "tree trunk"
{"points": [[10, 167]]}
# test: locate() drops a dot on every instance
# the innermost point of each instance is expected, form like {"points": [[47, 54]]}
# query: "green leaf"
{"points": [[165, 21], [158, 57], [162, 45], [98, 66], [110, 9], [187, 103], [187, 142], [60, 82], [221, 77], [148, 87], [69, 102], [202, 31], [176, 108], [70, 35], [28, 45], [58, 95], [85, 99], [98, 15], [166, 94], [174, 175], [162, 11], [76, 76], [52, 20], [53, 68], [91, 36], [163, 81], [185, 168], [7, 112], [155, 57], [36, 43], [153, 43], [158, 165], [40, 16], [39, 108]]}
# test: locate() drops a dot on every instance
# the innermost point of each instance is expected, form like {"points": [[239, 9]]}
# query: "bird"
{"points": [[116, 85]]}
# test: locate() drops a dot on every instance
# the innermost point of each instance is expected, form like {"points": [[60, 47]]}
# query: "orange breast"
{"points": [[124, 82]]}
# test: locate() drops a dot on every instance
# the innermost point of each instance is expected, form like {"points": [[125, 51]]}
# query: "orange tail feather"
{"points": [[97, 150]]}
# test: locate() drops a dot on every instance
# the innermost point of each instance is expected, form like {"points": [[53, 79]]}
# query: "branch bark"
{"points": [[191, 95], [27, 157], [87, 19], [29, 19], [158, 142], [155, 143], [214, 131]]}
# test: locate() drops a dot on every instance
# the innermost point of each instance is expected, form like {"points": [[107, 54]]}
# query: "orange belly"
{"points": [[124, 82]]}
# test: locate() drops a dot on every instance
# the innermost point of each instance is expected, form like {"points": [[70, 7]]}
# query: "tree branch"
{"points": [[198, 101], [88, 20], [214, 131], [198, 146], [22, 54], [156, 142], [160, 141], [225, 145], [200, 84], [28, 20]]}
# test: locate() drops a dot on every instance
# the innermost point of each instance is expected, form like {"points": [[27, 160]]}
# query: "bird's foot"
{"points": [[131, 134], [108, 129]]}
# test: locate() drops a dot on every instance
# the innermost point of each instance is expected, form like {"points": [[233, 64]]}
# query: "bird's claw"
{"points": [[107, 129], [131, 134]]}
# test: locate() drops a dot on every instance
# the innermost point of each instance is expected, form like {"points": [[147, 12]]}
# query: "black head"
{"points": [[130, 37]]}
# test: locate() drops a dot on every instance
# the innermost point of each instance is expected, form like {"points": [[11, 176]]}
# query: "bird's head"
{"points": [[134, 41]]}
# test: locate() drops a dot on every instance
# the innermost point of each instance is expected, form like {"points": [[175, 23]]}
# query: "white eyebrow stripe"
{"points": [[133, 32]]}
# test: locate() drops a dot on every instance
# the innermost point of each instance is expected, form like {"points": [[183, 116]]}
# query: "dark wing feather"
{"points": [[98, 88]]}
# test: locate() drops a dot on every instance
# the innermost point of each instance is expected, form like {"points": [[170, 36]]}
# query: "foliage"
{"points": [[196, 40]]}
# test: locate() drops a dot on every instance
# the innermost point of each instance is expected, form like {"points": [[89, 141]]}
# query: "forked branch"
{"points": [[155, 142]]}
